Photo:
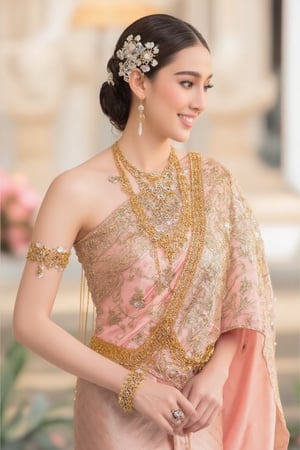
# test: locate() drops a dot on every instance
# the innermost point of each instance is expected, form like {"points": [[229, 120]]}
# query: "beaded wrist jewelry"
{"points": [[128, 389], [48, 258]]}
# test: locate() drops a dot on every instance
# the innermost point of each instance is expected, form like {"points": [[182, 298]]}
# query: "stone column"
{"points": [[245, 88], [198, 13], [32, 86], [77, 121], [291, 92], [20, 19], [32, 72]]}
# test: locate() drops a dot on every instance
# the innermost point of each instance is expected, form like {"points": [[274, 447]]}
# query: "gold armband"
{"points": [[128, 389], [48, 258]]}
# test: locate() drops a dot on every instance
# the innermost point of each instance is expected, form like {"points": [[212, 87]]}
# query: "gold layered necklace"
{"points": [[162, 206]]}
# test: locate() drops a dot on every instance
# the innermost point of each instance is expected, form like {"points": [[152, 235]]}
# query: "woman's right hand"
{"points": [[157, 401]]}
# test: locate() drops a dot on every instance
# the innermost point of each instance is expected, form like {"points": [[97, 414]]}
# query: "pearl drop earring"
{"points": [[141, 117]]}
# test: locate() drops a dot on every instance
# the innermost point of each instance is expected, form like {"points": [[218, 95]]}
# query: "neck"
{"points": [[146, 154]]}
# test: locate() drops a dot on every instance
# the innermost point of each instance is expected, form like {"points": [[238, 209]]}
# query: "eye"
{"points": [[186, 84], [208, 86]]}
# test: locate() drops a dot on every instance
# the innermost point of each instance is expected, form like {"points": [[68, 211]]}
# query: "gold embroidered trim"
{"points": [[163, 335], [133, 358], [48, 258]]}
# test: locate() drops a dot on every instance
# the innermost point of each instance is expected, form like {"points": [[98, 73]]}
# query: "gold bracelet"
{"points": [[48, 258], [128, 389]]}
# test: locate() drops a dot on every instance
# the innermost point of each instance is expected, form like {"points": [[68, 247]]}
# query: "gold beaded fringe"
{"points": [[85, 315]]}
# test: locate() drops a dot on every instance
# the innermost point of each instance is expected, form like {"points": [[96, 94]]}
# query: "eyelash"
{"points": [[189, 84], [208, 86]]}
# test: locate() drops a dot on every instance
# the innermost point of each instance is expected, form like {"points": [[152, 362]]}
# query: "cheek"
{"points": [[170, 95]]}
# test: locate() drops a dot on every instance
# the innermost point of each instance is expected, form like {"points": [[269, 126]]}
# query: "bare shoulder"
{"points": [[76, 198], [81, 179]]}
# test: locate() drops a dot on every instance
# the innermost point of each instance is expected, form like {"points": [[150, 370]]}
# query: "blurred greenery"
{"points": [[294, 428], [33, 422]]}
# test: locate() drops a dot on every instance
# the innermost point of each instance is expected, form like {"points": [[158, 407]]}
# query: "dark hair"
{"points": [[170, 34]]}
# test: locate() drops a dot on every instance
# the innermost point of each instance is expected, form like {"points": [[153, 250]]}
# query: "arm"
{"points": [[205, 390], [58, 223]]}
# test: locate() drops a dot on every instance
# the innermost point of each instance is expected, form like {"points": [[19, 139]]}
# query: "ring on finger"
{"points": [[178, 415]]}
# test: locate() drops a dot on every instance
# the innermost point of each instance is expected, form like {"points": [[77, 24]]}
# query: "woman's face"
{"points": [[178, 94]]}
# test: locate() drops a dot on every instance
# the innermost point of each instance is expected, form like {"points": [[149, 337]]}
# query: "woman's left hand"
{"points": [[205, 392]]}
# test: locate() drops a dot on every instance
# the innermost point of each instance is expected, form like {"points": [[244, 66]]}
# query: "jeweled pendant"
{"points": [[40, 271], [114, 179]]}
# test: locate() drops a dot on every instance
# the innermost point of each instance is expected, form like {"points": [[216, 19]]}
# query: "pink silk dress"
{"points": [[218, 282]]}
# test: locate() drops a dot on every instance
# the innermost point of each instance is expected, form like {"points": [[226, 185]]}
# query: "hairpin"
{"points": [[134, 55], [110, 78]]}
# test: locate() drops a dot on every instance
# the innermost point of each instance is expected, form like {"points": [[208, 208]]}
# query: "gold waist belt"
{"points": [[134, 358]]}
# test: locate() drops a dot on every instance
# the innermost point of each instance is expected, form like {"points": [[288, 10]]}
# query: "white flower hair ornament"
{"points": [[134, 55]]}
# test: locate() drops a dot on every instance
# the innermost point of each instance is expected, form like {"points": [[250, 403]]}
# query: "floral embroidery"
{"points": [[138, 300]]}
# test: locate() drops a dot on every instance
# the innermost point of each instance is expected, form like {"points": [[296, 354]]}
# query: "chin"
{"points": [[180, 137]]}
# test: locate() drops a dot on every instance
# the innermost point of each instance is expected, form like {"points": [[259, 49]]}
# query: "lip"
{"points": [[187, 120]]}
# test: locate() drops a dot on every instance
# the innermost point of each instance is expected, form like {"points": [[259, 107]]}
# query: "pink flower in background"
{"points": [[18, 205], [26, 195], [15, 211], [17, 237], [58, 440], [29, 198]]}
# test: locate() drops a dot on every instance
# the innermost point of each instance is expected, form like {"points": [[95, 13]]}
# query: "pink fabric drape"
{"points": [[230, 289]]}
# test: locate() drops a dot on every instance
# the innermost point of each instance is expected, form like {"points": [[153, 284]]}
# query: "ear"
{"points": [[137, 83]]}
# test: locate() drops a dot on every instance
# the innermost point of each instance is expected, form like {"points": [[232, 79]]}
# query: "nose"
{"points": [[199, 100]]}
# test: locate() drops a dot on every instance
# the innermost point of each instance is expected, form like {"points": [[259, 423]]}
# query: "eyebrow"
{"points": [[192, 73]]}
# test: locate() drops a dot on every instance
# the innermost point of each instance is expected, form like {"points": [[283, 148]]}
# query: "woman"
{"points": [[182, 353]]}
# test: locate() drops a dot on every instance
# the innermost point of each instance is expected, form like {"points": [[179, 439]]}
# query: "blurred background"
{"points": [[53, 58]]}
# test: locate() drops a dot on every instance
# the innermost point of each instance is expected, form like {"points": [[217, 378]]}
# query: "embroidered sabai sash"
{"points": [[163, 336]]}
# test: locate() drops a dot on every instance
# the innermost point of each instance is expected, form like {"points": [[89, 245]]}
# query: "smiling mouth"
{"points": [[186, 120]]}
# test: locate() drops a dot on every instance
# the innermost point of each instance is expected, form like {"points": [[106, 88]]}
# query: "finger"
{"points": [[183, 408], [204, 421], [180, 424], [177, 429], [204, 410], [186, 391], [187, 407], [183, 405], [166, 425], [177, 418], [206, 405], [192, 394], [176, 425]]}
